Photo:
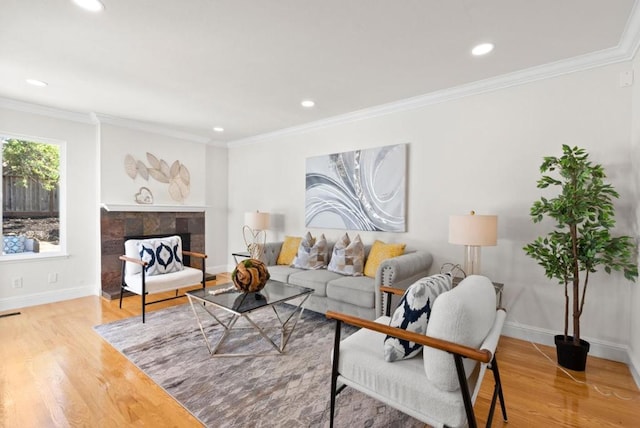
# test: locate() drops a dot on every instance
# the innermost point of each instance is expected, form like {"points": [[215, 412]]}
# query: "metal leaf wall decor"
{"points": [[177, 175]]}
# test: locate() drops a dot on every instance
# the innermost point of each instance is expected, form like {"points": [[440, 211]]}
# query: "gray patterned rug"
{"points": [[290, 390]]}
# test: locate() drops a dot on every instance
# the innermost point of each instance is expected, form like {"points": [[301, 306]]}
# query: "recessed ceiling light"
{"points": [[90, 5], [36, 82], [307, 103], [482, 49], [218, 129]]}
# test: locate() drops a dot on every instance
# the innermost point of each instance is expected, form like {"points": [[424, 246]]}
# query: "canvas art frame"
{"points": [[361, 190]]}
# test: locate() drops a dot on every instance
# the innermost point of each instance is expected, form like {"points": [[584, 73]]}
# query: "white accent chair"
{"points": [[135, 279], [440, 385]]}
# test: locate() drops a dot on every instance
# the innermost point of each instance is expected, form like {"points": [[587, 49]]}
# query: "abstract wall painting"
{"points": [[357, 190]]}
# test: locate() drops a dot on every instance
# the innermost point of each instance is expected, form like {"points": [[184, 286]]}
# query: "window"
{"points": [[31, 197]]}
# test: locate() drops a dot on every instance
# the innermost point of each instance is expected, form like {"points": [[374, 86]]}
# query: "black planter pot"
{"points": [[570, 356]]}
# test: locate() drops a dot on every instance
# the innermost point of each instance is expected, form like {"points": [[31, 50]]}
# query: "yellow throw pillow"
{"points": [[379, 252], [289, 250]]}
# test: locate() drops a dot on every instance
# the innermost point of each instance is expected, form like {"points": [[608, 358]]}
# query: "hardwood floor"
{"points": [[57, 372]]}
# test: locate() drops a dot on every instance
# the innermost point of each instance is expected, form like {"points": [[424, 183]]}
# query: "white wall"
{"points": [[216, 217], [634, 341], [207, 166], [78, 272], [483, 153], [118, 188]]}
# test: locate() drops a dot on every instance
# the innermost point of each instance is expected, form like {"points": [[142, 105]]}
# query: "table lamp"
{"points": [[473, 231], [254, 232]]}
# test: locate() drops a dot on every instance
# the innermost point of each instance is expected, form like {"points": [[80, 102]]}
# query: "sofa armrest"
{"points": [[271, 253], [400, 272]]}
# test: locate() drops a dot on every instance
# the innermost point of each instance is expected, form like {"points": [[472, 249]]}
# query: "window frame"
{"points": [[62, 200]]}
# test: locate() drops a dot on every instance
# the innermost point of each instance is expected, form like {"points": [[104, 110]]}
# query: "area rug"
{"points": [[289, 390]]}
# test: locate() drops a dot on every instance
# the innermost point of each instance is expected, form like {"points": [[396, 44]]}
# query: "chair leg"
{"points": [[464, 389], [334, 371], [496, 376], [122, 283], [144, 304]]}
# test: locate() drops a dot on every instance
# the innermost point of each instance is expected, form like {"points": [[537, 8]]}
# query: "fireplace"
{"points": [[118, 226]]}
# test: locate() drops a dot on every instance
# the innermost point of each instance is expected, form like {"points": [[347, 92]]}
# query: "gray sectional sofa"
{"points": [[354, 295]]}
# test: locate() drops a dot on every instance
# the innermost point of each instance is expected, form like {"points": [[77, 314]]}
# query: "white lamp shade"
{"points": [[472, 229], [257, 220]]}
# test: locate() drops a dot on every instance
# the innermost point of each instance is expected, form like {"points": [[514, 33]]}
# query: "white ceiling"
{"points": [[245, 65]]}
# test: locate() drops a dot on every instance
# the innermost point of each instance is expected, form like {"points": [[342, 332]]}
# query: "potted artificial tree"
{"points": [[581, 241]]}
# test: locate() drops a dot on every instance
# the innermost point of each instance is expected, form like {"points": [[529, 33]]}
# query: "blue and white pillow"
{"points": [[14, 244], [412, 314], [162, 255]]}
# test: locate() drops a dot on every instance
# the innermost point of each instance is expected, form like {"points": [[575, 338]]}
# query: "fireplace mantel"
{"points": [[152, 207]]}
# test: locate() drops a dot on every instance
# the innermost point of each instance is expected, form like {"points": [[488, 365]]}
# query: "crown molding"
{"points": [[630, 40], [546, 71], [624, 51], [56, 113], [150, 127]]}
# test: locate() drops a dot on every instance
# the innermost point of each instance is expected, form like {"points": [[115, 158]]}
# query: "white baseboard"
{"points": [[599, 348], [46, 297], [634, 368]]}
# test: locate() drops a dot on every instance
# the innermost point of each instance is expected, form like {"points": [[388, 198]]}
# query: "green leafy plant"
{"points": [[31, 161], [581, 241]]}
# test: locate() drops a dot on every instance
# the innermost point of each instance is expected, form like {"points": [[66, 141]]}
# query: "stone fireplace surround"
{"points": [[116, 225]]}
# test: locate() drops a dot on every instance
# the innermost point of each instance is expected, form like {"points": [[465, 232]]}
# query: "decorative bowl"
{"points": [[250, 276]]}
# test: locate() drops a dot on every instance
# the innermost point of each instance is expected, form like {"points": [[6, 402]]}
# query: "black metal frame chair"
{"points": [[144, 292], [457, 351]]}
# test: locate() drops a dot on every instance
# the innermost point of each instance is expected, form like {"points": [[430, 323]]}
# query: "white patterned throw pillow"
{"points": [[412, 314], [312, 253], [348, 256], [163, 255]]}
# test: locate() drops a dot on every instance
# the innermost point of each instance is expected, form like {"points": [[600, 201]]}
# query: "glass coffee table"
{"points": [[221, 299]]}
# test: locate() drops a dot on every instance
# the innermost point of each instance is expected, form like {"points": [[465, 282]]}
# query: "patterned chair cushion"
{"points": [[163, 255], [412, 314]]}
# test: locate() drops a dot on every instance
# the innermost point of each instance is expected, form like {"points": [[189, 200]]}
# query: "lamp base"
{"points": [[472, 259]]}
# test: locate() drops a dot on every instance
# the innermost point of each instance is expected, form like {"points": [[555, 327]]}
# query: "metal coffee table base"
{"points": [[286, 328]]}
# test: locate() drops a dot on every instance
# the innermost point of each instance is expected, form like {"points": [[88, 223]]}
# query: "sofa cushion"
{"points": [[158, 283], [281, 272], [465, 316], [412, 314], [316, 279], [163, 255], [14, 244], [288, 250], [359, 290], [312, 253], [348, 256], [379, 252]]}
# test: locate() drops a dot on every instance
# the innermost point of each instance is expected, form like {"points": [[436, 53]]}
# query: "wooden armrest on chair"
{"points": [[392, 290], [481, 355], [132, 260], [194, 254]]}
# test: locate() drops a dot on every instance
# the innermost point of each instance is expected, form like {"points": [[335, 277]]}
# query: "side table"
{"points": [[242, 254], [498, 286]]}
